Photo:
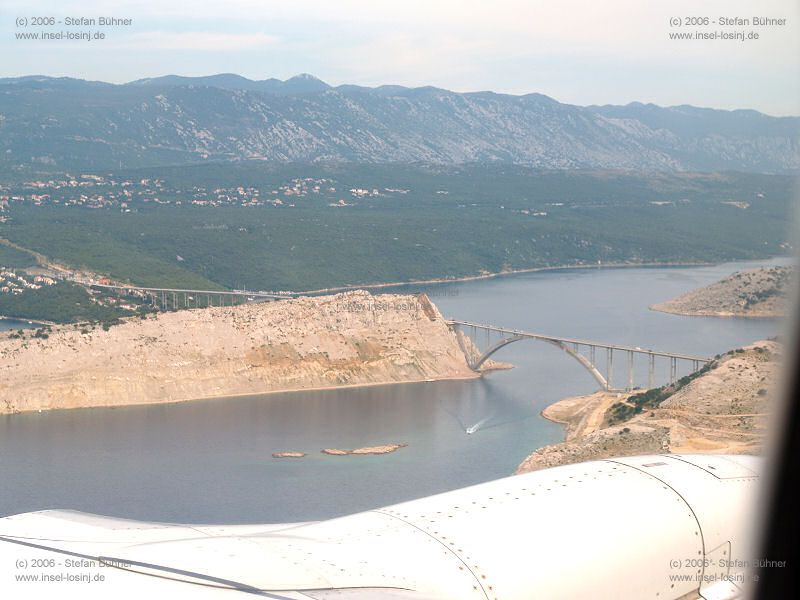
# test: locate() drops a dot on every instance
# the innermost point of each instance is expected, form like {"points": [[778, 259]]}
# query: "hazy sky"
{"points": [[577, 51]]}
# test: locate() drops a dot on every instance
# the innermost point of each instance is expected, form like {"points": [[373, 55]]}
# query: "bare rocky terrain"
{"points": [[174, 120], [723, 409], [755, 293], [384, 449], [347, 339]]}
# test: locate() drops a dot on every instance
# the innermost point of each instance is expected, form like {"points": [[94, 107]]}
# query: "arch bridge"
{"points": [[471, 336]]}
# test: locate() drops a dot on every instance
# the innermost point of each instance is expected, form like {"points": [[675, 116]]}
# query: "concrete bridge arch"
{"points": [[477, 358]]}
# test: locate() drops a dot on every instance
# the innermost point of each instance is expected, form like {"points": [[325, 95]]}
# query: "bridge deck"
{"points": [[197, 292], [579, 342]]}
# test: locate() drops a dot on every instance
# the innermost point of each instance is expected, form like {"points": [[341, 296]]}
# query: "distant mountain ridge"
{"points": [[72, 123], [299, 84]]}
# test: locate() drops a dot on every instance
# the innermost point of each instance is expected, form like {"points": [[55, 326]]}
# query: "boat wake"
{"points": [[472, 429]]}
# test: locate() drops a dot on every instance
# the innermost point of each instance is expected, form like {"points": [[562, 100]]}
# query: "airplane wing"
{"points": [[665, 526]]}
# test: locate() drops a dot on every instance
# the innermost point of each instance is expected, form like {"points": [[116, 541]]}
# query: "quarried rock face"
{"points": [[354, 338]]}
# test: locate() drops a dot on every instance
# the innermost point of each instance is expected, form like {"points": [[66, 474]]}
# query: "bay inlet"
{"points": [[211, 460]]}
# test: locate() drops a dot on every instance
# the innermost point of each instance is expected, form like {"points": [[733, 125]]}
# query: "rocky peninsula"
{"points": [[348, 339], [754, 293], [721, 409]]}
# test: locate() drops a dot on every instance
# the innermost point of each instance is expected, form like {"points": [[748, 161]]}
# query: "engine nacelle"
{"points": [[661, 527]]}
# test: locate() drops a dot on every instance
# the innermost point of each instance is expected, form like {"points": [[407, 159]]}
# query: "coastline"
{"points": [[434, 281], [621, 265], [212, 398], [28, 321], [582, 414], [759, 293], [479, 277], [549, 413], [307, 344], [662, 308], [723, 410]]}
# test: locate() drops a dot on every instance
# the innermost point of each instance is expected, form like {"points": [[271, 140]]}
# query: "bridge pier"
{"points": [[630, 369], [571, 347]]}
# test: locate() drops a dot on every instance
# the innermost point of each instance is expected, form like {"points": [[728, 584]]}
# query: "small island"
{"points": [[288, 454], [363, 451]]}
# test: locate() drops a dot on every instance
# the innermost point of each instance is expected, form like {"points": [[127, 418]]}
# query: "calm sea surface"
{"points": [[6, 324], [210, 461]]}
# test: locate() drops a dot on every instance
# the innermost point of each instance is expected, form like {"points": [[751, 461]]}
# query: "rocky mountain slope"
{"points": [[755, 293], [722, 409], [69, 123], [327, 341]]}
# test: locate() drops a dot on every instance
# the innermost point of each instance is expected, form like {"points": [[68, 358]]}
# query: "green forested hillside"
{"points": [[61, 303], [449, 223], [13, 258]]}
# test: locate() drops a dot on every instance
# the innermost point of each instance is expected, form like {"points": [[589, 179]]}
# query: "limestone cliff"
{"points": [[353, 338]]}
